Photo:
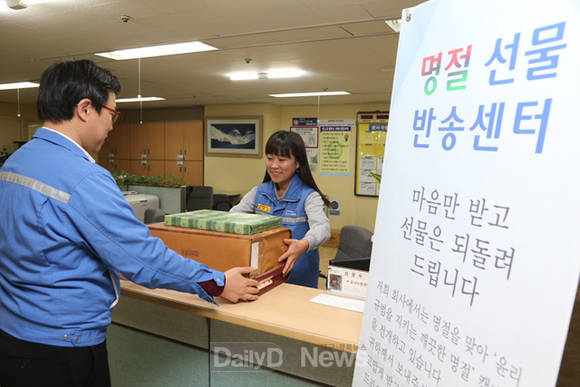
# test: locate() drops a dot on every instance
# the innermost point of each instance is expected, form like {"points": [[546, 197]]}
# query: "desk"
{"points": [[167, 334]]}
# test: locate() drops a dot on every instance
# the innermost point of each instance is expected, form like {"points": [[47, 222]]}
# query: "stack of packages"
{"points": [[223, 240], [222, 221]]}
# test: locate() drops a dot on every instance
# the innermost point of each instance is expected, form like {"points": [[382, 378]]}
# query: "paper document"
{"points": [[339, 302]]}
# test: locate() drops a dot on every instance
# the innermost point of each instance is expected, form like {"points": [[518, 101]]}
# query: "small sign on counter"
{"points": [[347, 282]]}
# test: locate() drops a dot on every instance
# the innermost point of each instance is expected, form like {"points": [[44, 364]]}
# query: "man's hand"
{"points": [[295, 249], [239, 287]]}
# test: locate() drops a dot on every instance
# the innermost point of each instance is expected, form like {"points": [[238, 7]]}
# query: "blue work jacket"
{"points": [[66, 232], [292, 210]]}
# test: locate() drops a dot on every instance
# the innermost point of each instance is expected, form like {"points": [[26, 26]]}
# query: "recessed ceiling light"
{"points": [[315, 93], [243, 76], [270, 74], [18, 85], [285, 73], [395, 24], [152, 51], [142, 99]]}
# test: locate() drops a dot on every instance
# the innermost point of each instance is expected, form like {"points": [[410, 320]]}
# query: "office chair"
{"points": [[354, 248], [221, 202], [199, 197], [153, 215]]}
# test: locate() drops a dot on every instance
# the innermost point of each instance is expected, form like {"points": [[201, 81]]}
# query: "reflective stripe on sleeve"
{"points": [[36, 185], [114, 283]]}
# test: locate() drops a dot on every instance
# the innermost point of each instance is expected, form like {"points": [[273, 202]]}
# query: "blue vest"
{"points": [[291, 209]]}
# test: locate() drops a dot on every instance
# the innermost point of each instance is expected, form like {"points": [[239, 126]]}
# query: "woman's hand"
{"points": [[238, 287], [295, 249]]}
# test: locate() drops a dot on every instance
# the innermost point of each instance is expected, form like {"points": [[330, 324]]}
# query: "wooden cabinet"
{"points": [[122, 165], [106, 151], [116, 151], [116, 165], [165, 143], [122, 135], [118, 144], [190, 171], [148, 139], [152, 168], [185, 139]]}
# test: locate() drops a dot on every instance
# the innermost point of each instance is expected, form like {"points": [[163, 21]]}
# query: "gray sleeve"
{"points": [[317, 221], [247, 203]]}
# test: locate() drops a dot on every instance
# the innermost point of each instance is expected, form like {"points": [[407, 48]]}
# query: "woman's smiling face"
{"points": [[281, 168]]}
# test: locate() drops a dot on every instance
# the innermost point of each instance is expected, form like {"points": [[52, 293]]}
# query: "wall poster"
{"points": [[370, 148], [310, 136], [335, 140]]}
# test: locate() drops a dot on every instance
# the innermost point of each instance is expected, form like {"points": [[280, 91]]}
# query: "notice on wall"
{"points": [[367, 184], [309, 135], [334, 208], [335, 140], [475, 261], [305, 121], [312, 154], [370, 148]]}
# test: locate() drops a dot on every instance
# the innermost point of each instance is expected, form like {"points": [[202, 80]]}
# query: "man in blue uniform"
{"points": [[66, 233]]}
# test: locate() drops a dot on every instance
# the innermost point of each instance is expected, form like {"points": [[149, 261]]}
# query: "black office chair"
{"points": [[199, 197], [354, 248], [221, 202], [153, 215]]}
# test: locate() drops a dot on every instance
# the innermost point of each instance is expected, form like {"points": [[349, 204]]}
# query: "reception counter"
{"points": [[284, 311], [166, 338], [163, 337]]}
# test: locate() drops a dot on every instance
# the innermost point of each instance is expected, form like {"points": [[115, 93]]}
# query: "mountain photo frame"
{"points": [[234, 136]]}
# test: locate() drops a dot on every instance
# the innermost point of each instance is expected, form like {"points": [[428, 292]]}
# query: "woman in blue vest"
{"points": [[288, 190]]}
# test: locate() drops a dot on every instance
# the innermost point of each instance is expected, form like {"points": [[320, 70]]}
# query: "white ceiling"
{"points": [[342, 44]]}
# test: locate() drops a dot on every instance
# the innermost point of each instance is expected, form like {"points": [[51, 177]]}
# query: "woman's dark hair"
{"points": [[64, 84], [286, 144]]}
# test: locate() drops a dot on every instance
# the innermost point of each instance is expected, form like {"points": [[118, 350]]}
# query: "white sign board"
{"points": [[476, 255]]}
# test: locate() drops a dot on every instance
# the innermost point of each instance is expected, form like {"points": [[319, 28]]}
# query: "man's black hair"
{"points": [[64, 84]]}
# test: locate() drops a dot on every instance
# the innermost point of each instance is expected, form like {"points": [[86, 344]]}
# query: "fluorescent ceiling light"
{"points": [[6, 5], [141, 99], [15, 4], [167, 49], [285, 73], [32, 2], [310, 94], [18, 85], [395, 24], [243, 76], [270, 74]]}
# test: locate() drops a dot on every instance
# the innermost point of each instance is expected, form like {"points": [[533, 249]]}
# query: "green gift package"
{"points": [[223, 221]]}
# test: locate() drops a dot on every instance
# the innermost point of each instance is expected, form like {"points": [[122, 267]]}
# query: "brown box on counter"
{"points": [[222, 251]]}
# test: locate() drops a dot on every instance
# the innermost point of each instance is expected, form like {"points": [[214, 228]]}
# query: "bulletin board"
{"points": [[371, 135]]}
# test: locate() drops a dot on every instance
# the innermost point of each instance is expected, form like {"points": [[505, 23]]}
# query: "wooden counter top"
{"points": [[283, 311]]}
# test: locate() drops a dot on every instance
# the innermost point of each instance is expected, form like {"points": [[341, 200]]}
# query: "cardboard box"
{"points": [[222, 251]]}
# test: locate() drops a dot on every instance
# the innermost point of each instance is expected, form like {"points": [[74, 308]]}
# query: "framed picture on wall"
{"points": [[234, 136]]}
